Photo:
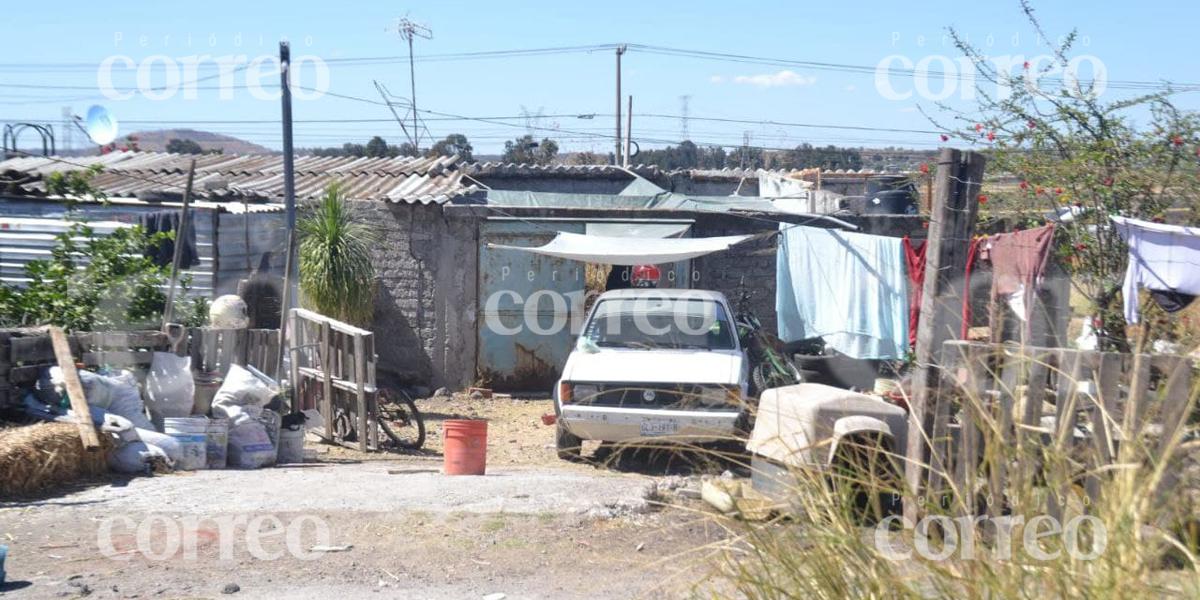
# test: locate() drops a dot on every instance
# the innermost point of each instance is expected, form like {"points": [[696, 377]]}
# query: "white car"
{"points": [[652, 363]]}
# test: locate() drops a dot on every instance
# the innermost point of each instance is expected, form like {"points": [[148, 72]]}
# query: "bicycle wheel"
{"points": [[400, 420]]}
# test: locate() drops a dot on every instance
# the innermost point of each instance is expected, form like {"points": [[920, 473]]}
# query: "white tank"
{"points": [[228, 312]]}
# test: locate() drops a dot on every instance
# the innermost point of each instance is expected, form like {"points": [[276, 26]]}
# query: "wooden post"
{"points": [[83, 415], [327, 378], [360, 381], [951, 227], [169, 311]]}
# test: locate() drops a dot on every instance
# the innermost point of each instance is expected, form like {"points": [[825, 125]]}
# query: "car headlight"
{"points": [[582, 392]]}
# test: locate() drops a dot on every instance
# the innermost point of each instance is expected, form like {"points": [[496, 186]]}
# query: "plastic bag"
{"points": [[250, 447], [170, 390], [113, 394]]}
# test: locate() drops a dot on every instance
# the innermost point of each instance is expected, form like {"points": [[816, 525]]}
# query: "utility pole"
{"points": [[289, 202], [410, 30], [617, 157], [683, 110], [628, 131]]}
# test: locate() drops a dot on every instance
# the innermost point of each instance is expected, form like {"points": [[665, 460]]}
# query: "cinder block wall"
{"points": [[425, 301]]}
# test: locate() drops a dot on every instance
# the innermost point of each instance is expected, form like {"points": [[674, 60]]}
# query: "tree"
{"points": [[687, 155], [806, 156], [524, 150], [453, 144], [178, 146], [1069, 150], [337, 272], [377, 147]]}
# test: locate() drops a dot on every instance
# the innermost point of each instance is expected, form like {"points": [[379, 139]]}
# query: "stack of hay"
{"points": [[45, 455]]}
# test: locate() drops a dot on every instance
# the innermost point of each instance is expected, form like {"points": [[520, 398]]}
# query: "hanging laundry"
{"points": [[1170, 300], [163, 253], [1018, 261], [914, 257], [848, 288], [1164, 258]]}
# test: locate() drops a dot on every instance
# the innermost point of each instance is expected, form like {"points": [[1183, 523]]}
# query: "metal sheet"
{"points": [[512, 353]]}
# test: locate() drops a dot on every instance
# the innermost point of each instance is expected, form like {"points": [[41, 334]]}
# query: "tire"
{"points": [[400, 420], [568, 445]]}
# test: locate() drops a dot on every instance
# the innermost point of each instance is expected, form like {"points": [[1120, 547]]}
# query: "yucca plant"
{"points": [[337, 275]]}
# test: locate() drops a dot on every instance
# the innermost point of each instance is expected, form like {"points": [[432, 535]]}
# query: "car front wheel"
{"points": [[567, 444]]}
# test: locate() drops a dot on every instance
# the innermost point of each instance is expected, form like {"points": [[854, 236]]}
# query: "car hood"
{"points": [[655, 366]]}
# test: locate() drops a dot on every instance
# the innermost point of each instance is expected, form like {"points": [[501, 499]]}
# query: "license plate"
{"points": [[659, 427]]}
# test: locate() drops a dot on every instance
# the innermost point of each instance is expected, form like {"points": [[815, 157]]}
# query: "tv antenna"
{"points": [[410, 30]]}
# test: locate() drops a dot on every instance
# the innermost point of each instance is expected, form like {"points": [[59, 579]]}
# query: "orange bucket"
{"points": [[466, 447]]}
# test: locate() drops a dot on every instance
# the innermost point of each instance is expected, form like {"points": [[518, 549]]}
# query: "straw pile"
{"points": [[45, 455]]}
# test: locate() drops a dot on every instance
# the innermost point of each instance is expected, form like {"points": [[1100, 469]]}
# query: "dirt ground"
{"points": [[534, 527]]}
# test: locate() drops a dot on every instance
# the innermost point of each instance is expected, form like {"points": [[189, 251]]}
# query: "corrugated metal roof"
{"points": [[257, 178]]}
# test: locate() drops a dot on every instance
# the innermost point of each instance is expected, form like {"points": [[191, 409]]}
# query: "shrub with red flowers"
{"points": [[1107, 154]]}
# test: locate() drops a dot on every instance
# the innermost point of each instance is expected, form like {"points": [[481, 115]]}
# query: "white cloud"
{"points": [[716, 79], [779, 79], [849, 88]]}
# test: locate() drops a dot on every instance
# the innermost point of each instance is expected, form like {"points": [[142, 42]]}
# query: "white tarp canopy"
{"points": [[629, 251]]}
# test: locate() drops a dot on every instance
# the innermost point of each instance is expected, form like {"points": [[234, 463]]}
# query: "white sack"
{"points": [[170, 390]]}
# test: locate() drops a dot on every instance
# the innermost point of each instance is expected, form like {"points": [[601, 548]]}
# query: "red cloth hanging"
{"points": [[914, 257]]}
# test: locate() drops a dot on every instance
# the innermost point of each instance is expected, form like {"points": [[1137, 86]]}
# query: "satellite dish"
{"points": [[101, 125]]}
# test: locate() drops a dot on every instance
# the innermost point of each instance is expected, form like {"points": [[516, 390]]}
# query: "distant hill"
{"points": [[156, 141]]}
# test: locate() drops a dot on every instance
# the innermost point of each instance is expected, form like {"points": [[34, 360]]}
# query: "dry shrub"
{"points": [[45, 455]]}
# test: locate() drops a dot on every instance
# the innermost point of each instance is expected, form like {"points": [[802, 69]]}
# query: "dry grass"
{"points": [[45, 455]]}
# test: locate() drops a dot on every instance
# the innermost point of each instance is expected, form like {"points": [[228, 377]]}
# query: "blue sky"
{"points": [[62, 46]]}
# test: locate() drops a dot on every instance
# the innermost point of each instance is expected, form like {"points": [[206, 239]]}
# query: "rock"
{"points": [[689, 492], [496, 596], [421, 391], [441, 393], [231, 588], [641, 546], [601, 513], [477, 395]]}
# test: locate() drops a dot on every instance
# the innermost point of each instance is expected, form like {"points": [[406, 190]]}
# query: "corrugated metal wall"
{"points": [[28, 229]]}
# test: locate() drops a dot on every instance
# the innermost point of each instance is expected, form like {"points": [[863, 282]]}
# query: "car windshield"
{"points": [[650, 322]]}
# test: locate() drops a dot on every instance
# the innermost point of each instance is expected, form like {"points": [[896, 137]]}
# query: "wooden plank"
{"points": [[327, 377], [1071, 362], [360, 379], [294, 355], [1135, 406], [373, 412], [1178, 384], [83, 415], [118, 358], [31, 349], [1108, 392]]}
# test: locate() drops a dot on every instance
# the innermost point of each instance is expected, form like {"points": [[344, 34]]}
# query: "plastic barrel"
{"points": [[291, 446], [466, 447], [191, 433], [217, 443]]}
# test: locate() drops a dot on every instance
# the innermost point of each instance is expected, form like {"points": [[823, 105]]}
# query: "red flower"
{"points": [[1081, 247], [1107, 181], [1024, 185], [925, 169], [982, 199], [1178, 141], [1158, 220], [1058, 190], [1078, 203], [946, 138], [124, 148], [924, 224], [978, 127], [1026, 64], [1031, 124], [991, 136], [1040, 189]]}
